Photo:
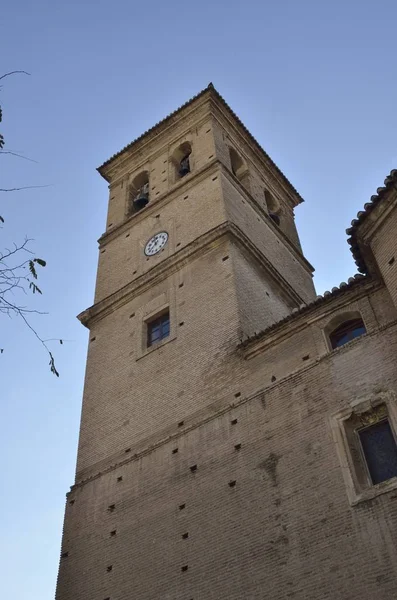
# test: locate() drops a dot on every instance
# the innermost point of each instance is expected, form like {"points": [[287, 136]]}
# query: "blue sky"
{"points": [[313, 81]]}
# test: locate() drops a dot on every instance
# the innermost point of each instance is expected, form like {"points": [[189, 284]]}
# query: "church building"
{"points": [[238, 431]]}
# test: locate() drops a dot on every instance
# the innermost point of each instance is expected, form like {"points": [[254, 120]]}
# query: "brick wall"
{"points": [[285, 529], [127, 400], [260, 299], [194, 207], [259, 180]]}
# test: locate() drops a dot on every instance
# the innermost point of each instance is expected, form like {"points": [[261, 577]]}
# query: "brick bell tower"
{"points": [[200, 251]]}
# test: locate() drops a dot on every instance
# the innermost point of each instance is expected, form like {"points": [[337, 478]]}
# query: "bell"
{"points": [[141, 201], [184, 168], [183, 171], [142, 197]]}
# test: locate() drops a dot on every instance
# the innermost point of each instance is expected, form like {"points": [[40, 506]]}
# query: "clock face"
{"points": [[156, 243]]}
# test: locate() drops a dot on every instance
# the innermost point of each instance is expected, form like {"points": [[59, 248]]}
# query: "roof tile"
{"points": [[390, 180]]}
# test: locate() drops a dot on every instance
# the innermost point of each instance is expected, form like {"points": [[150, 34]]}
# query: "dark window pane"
{"points": [[166, 328], [347, 332], [348, 336], [158, 329], [155, 335], [380, 451]]}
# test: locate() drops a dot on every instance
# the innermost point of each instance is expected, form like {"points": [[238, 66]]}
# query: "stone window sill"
{"points": [[156, 346], [374, 491]]}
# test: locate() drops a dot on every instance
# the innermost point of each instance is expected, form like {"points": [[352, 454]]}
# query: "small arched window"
{"points": [[273, 207], [347, 331], [139, 192], [181, 160]]}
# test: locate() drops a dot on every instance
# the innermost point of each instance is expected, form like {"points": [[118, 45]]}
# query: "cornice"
{"points": [[162, 127], [299, 320], [258, 208], [160, 144], [181, 187], [265, 263], [153, 276], [175, 262], [191, 105], [265, 163]]}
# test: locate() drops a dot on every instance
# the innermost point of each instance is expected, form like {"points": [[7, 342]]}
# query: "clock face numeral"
{"points": [[156, 243]]}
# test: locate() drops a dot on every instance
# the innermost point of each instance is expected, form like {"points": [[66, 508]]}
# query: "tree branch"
{"points": [[18, 155], [18, 275], [51, 363], [16, 249], [13, 73], [26, 187]]}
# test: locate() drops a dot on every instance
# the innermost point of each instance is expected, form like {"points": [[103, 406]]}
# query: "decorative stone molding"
{"points": [[361, 412]]}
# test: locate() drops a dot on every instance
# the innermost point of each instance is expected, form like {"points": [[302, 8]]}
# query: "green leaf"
{"points": [[32, 269], [35, 288], [52, 365], [40, 262]]}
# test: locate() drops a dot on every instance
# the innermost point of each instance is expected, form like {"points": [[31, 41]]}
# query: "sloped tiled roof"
{"points": [[361, 216], [212, 89], [162, 122], [343, 287]]}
